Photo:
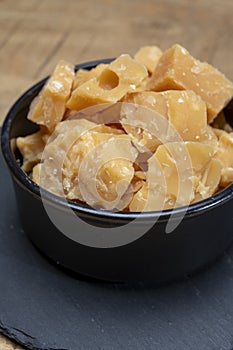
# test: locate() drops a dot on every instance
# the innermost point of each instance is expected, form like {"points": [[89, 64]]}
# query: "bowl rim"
{"points": [[23, 179]]}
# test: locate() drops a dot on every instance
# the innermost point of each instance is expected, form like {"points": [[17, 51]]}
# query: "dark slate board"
{"points": [[43, 307]]}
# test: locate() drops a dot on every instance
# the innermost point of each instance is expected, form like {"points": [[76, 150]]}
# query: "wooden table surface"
{"points": [[35, 34]]}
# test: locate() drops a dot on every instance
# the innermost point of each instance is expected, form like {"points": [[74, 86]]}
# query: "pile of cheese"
{"points": [[135, 135]]}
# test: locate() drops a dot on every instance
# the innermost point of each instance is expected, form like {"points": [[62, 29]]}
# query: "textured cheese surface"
{"points": [[78, 162], [184, 111], [178, 70], [178, 174], [121, 76], [133, 134], [49, 106], [149, 56]]}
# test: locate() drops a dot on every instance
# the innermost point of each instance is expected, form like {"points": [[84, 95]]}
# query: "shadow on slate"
{"points": [[43, 307]]}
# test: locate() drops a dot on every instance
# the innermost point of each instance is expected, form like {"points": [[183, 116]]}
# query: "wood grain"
{"points": [[35, 34]]}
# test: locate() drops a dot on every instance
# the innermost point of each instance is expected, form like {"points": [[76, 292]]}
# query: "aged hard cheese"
{"points": [[224, 154], [149, 56], [48, 107], [106, 170], [65, 135], [187, 115], [79, 162], [184, 111], [31, 147], [178, 70], [84, 75], [121, 76], [178, 174]]}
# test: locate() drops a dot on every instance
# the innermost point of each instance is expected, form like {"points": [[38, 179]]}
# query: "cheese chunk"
{"points": [[184, 111], [178, 70], [224, 153], [187, 115], [83, 75], [64, 135], [48, 107], [31, 148], [78, 162], [121, 76], [36, 173], [149, 56], [178, 174], [138, 123], [103, 171]]}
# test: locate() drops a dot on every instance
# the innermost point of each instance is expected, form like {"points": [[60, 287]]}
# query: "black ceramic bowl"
{"points": [[205, 231]]}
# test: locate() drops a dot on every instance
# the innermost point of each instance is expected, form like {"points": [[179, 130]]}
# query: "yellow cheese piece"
{"points": [[79, 150], [178, 70], [145, 124], [134, 186], [57, 147], [128, 70], [121, 76], [188, 170], [187, 114], [83, 75], [184, 111], [81, 144], [150, 99], [140, 200], [31, 148], [109, 175], [149, 56], [106, 171], [48, 107], [36, 173], [224, 153]]}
